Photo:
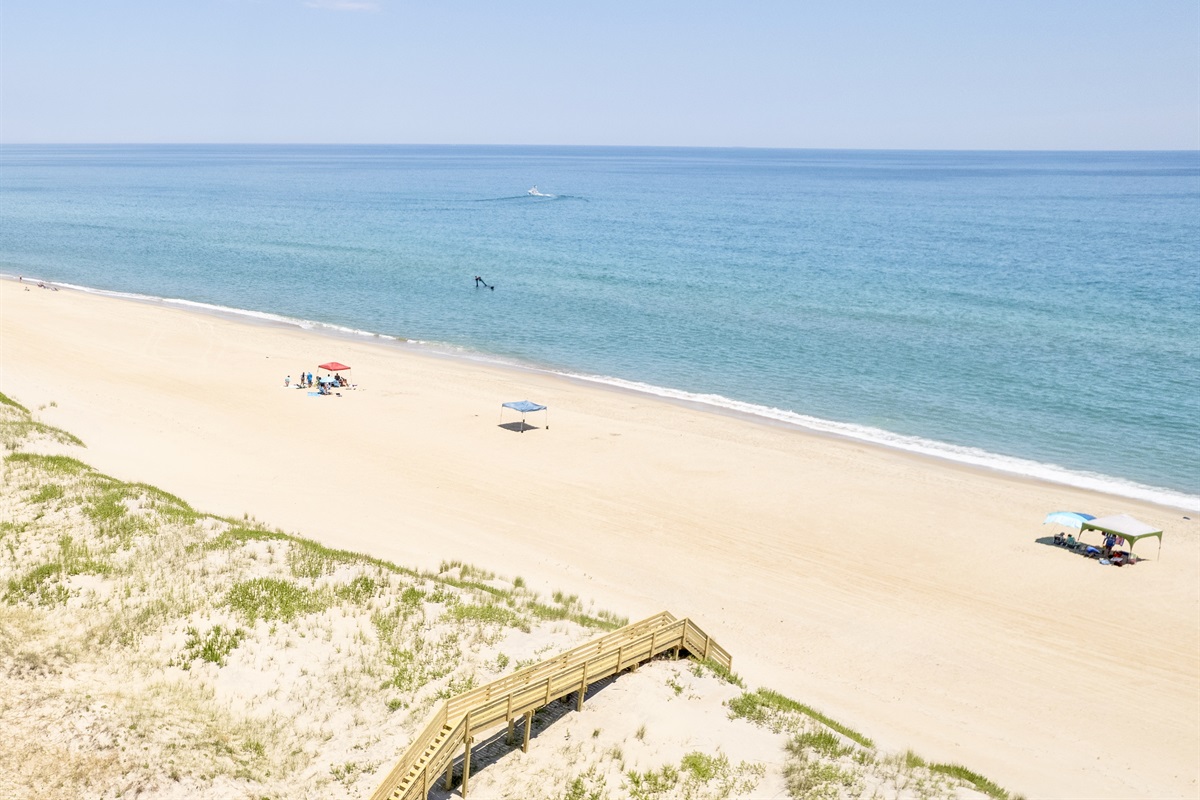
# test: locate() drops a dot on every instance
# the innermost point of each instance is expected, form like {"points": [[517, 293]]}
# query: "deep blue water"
{"points": [[1033, 311]]}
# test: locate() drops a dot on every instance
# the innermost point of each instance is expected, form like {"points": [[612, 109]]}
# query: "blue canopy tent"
{"points": [[525, 407], [1072, 519]]}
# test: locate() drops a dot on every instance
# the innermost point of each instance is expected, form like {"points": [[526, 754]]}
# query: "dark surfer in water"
{"points": [[481, 282]]}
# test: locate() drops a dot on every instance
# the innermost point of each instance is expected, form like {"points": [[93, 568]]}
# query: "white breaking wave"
{"points": [[262, 316], [915, 444]]}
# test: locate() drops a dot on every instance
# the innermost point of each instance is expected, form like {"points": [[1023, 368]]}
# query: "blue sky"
{"points": [[943, 74]]}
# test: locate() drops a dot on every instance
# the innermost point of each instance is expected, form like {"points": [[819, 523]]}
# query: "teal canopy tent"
{"points": [[1071, 519], [1124, 526]]}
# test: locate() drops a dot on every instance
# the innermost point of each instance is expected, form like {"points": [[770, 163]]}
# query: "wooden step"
{"points": [[414, 772]]}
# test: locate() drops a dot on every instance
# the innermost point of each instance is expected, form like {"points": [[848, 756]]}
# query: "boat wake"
{"points": [[534, 194]]}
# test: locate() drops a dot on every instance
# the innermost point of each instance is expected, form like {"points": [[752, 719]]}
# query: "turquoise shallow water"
{"points": [[1035, 312]]}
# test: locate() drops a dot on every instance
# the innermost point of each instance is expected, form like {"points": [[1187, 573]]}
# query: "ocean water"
{"points": [[1034, 312]]}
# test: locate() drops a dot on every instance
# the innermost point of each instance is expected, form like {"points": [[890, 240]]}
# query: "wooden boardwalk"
{"points": [[459, 720]]}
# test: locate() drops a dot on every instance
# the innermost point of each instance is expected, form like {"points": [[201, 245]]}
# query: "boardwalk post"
{"points": [[466, 752], [449, 775], [620, 656], [582, 688], [707, 641], [466, 762], [511, 721], [528, 725]]}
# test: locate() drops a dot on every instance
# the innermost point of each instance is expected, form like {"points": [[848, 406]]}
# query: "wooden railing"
{"points": [[461, 718]]}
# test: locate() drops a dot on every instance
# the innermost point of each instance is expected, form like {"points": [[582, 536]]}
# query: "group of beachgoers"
{"points": [[40, 284], [1108, 554], [324, 386]]}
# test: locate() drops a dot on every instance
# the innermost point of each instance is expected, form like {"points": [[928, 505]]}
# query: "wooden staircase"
{"points": [[460, 719]]}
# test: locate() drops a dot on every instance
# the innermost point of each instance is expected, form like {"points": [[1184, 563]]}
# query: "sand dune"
{"points": [[906, 596]]}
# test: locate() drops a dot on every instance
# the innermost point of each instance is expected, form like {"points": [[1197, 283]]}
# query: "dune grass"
{"points": [[171, 651], [131, 605], [17, 426]]}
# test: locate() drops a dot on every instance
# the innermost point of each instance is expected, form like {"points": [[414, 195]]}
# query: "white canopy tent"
{"points": [[1124, 526]]}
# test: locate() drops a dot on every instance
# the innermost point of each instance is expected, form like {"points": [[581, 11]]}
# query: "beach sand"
{"points": [[907, 597]]}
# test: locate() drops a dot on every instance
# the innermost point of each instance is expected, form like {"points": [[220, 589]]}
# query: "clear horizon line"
{"points": [[607, 146]]}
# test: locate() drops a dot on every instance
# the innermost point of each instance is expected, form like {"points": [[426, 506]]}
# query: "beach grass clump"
{"points": [[487, 613], [309, 559], [274, 599], [358, 590], [811, 777], [701, 766], [772, 709], [700, 667], [234, 537], [590, 785], [44, 584], [47, 493], [712, 776], [18, 427], [213, 646], [5, 400], [466, 572], [569, 608], [822, 742], [650, 783], [57, 466], [422, 663], [166, 506], [961, 773]]}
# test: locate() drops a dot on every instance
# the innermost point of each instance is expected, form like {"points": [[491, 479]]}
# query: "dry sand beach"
{"points": [[907, 597]]}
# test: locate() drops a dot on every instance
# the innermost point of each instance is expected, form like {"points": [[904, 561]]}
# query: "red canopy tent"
{"points": [[335, 368]]}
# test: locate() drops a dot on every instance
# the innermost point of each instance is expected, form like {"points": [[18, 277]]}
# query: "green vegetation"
{"points": [[813, 778], [5, 400], [974, 778], [487, 612], [51, 491], [645, 785], [699, 775], [17, 425], [274, 599], [823, 742], [44, 583], [128, 586], [237, 536], [214, 646], [708, 665], [700, 766], [767, 707], [49, 465]]}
